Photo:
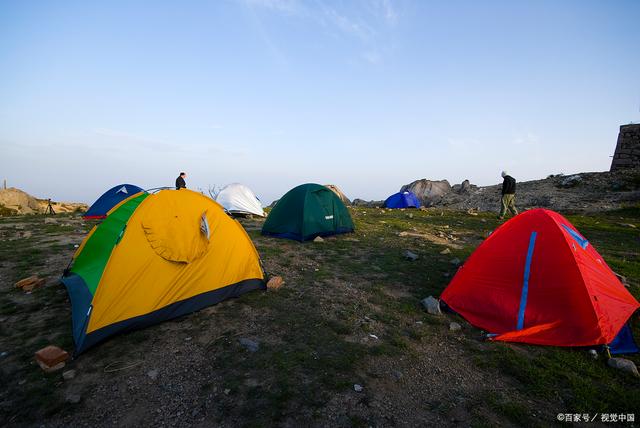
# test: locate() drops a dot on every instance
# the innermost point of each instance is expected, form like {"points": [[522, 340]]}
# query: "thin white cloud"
{"points": [[288, 6], [384, 10], [123, 135], [365, 21], [127, 141], [358, 29]]}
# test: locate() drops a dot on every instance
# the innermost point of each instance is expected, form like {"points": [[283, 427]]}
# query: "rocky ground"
{"points": [[584, 192], [345, 341], [15, 201]]}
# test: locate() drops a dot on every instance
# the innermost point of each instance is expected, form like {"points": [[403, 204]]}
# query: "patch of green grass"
{"points": [[512, 410], [583, 384]]}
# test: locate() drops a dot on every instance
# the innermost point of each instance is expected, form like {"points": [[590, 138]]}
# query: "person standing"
{"points": [[180, 183], [508, 202]]}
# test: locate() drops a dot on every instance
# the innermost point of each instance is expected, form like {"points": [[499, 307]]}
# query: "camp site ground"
{"points": [[344, 342]]}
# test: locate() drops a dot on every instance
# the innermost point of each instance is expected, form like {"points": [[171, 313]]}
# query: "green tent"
{"points": [[307, 211]]}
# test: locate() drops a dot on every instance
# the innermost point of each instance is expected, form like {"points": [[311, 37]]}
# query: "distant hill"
{"points": [[16, 202], [587, 191]]}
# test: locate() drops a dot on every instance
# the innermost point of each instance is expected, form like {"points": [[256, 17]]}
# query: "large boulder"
{"points": [[464, 188], [366, 204], [21, 202], [335, 189], [429, 192]]}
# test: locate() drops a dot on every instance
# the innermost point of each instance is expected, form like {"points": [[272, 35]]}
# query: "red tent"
{"points": [[537, 280]]}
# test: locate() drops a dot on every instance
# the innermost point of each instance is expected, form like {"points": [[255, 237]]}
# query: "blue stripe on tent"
{"points": [[525, 286], [575, 235]]}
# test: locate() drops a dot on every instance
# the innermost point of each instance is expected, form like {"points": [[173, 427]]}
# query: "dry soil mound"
{"points": [[15, 201]]}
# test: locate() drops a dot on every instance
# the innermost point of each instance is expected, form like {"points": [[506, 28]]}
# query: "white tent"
{"points": [[237, 198]]}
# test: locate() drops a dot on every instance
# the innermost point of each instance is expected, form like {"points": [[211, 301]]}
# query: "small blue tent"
{"points": [[110, 199], [402, 200]]}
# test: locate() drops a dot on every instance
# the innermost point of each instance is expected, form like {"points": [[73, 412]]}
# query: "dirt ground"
{"points": [[348, 317]]}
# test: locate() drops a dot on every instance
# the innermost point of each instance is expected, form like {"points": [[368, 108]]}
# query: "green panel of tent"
{"points": [[307, 211]]}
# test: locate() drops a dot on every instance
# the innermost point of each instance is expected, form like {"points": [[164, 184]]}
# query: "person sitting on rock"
{"points": [[180, 183], [508, 201]]}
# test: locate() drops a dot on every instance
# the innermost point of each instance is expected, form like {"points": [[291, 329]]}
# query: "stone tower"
{"points": [[627, 153]]}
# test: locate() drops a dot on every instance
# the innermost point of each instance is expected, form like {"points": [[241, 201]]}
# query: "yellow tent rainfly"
{"points": [[155, 257]]}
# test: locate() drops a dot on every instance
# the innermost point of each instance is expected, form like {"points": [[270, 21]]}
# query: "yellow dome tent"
{"points": [[155, 257]]}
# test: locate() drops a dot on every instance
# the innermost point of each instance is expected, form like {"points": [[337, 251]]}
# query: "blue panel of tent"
{"points": [[402, 200], [110, 199]]}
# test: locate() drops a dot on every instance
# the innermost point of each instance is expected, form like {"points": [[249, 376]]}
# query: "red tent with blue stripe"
{"points": [[110, 199], [537, 280]]}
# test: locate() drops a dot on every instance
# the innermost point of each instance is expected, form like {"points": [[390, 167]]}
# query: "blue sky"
{"points": [[368, 95]]}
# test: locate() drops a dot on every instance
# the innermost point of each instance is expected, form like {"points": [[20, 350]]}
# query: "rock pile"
{"points": [[590, 191]]}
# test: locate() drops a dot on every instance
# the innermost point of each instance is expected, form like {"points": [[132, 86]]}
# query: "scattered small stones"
{"points": [[624, 365], [318, 239], [251, 383], [410, 256], [357, 387], [50, 220], [153, 374], [410, 215], [275, 283], [249, 345], [571, 181], [373, 336], [633, 226], [397, 374], [68, 374], [3, 354], [445, 251], [454, 326], [72, 398], [227, 391], [455, 261], [593, 354], [432, 305]]}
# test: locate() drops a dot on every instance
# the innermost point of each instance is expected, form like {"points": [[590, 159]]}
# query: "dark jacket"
{"points": [[180, 183], [509, 185]]}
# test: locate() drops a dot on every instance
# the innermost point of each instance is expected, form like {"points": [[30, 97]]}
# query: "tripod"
{"points": [[49, 208]]}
